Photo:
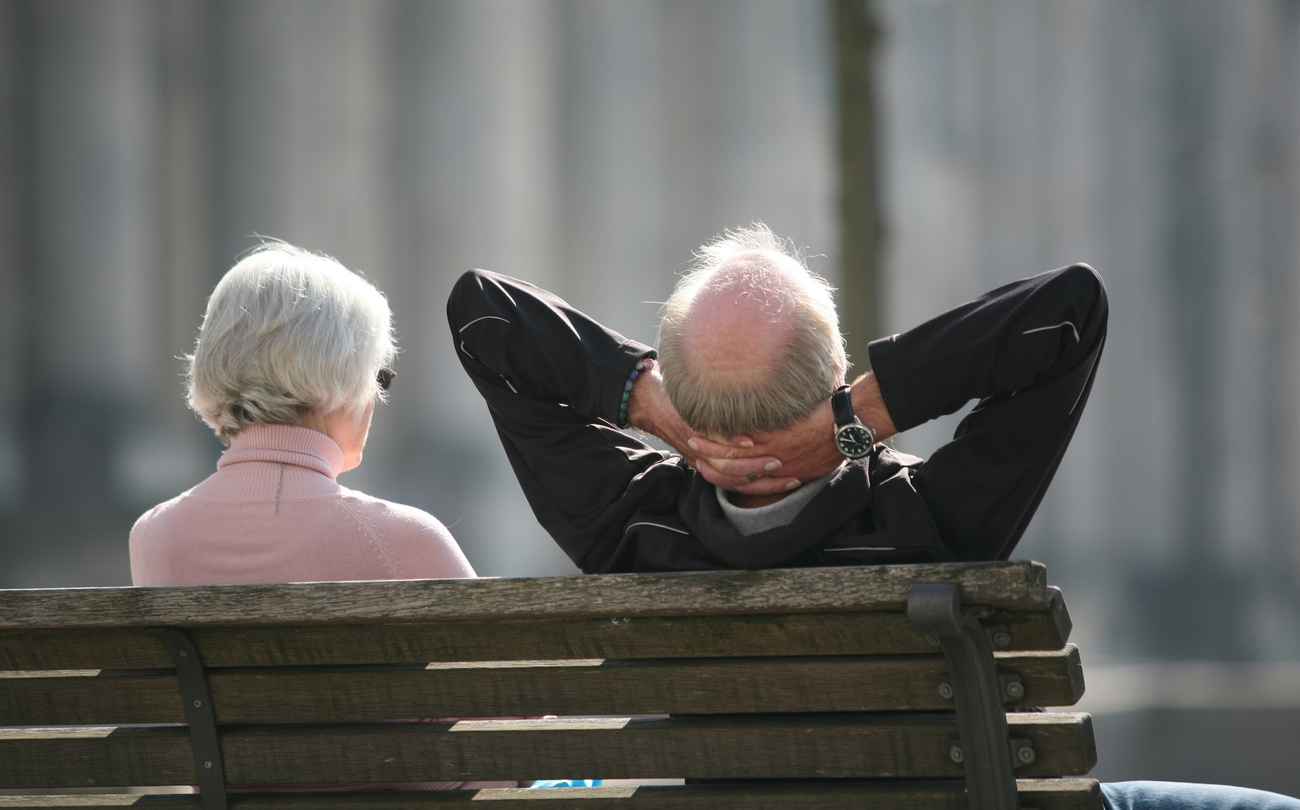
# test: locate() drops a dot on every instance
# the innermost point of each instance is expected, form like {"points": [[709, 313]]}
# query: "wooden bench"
{"points": [[880, 687]]}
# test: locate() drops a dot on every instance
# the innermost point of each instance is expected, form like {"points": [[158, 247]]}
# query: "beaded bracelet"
{"points": [[644, 365]]}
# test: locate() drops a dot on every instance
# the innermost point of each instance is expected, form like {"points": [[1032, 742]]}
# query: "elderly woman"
{"points": [[292, 355]]}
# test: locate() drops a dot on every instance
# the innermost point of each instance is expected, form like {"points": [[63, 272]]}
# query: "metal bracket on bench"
{"points": [[934, 611], [198, 710]]}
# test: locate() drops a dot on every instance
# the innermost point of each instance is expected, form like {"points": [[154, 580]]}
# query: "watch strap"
{"points": [[842, 406]]}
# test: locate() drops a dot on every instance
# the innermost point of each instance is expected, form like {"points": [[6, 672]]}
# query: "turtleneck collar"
{"points": [[285, 444]]}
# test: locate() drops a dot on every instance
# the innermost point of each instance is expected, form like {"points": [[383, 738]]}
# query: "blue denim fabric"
{"points": [[1190, 796]]}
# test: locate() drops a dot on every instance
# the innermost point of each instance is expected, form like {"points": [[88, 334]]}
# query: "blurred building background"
{"points": [[589, 147]]}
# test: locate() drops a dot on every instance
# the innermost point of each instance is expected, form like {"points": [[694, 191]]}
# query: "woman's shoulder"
{"points": [[161, 512], [388, 512], [152, 541], [421, 541]]}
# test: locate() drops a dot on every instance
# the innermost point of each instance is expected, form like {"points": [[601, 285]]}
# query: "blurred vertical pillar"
{"points": [[189, 263], [95, 237], [15, 226], [857, 33], [1197, 600], [612, 155], [474, 178], [1277, 140]]}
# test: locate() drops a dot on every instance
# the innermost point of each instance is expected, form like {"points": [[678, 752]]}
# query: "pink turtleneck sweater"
{"points": [[273, 512]]}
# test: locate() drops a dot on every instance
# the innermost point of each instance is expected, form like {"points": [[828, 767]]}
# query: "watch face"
{"points": [[853, 441]]}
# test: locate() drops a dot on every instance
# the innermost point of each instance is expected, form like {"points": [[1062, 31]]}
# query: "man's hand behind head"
{"points": [[650, 410], [805, 448]]}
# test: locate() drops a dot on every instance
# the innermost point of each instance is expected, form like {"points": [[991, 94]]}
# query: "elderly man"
{"points": [[779, 463]]}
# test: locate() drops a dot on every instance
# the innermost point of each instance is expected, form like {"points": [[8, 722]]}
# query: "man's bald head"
{"points": [[749, 341]]}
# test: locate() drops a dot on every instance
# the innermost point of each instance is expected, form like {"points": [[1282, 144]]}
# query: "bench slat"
{"points": [[781, 590], [840, 633], [671, 686], [89, 757], [718, 747], [1064, 794]]}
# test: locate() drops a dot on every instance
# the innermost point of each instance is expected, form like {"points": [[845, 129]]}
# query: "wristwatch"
{"points": [[852, 438]]}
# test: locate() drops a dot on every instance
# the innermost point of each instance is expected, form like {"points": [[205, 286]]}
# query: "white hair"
{"points": [[288, 332], [758, 262]]}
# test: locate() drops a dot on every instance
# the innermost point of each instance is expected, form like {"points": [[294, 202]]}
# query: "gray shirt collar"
{"points": [[783, 512]]}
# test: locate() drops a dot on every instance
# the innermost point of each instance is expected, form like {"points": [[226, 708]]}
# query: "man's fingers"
{"points": [[744, 467], [711, 449], [738, 447], [760, 485], [769, 486]]}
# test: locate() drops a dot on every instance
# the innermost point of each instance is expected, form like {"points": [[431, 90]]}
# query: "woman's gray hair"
{"points": [[814, 363], [287, 332]]}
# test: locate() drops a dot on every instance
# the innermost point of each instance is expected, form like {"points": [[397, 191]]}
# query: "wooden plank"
{"points": [[719, 747], [839, 633], [1033, 630], [88, 697], [86, 757], [1063, 794], [1063, 741], [593, 687], [808, 746], [99, 648], [1060, 794], [99, 801], [624, 595], [1051, 677]]}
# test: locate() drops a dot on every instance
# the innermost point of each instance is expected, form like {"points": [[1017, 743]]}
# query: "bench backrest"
{"points": [[758, 678]]}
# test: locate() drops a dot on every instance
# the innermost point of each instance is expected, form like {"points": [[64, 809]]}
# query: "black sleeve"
{"points": [[1027, 352], [553, 380]]}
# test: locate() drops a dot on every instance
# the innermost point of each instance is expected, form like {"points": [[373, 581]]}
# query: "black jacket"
{"points": [[553, 380]]}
